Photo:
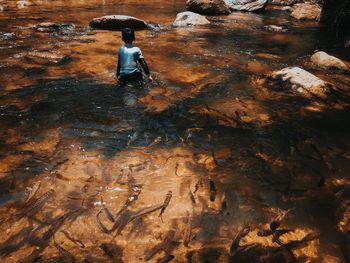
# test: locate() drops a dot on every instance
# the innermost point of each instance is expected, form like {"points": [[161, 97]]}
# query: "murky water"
{"points": [[233, 153]]}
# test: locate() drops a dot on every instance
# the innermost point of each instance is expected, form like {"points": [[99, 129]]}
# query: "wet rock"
{"points": [[246, 5], [274, 28], [299, 80], [50, 27], [323, 60], [5, 36], [47, 58], [190, 19], [208, 7], [284, 2], [306, 11], [117, 22]]}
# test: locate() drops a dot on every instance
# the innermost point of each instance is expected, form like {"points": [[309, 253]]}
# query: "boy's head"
{"points": [[128, 35]]}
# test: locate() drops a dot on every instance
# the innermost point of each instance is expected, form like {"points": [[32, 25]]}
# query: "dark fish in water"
{"points": [[108, 214], [100, 225], [192, 197], [166, 202], [32, 191], [212, 190], [37, 203], [235, 243], [166, 259], [223, 202]]}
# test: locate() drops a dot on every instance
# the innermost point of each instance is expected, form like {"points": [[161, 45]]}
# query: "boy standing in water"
{"points": [[128, 56]]}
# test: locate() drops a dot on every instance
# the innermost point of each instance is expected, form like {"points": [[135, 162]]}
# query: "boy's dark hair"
{"points": [[128, 35]]}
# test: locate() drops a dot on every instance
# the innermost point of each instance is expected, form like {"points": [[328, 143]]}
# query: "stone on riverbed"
{"points": [[54, 27], [306, 11], [299, 80], [47, 58], [323, 60], [284, 2], [190, 19], [246, 5], [117, 22], [208, 7]]}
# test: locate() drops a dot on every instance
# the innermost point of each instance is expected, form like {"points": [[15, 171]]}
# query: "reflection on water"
{"points": [[255, 175]]}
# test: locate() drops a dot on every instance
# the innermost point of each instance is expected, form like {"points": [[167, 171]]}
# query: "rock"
{"points": [[54, 27], [284, 2], [47, 58], [117, 22], [246, 5], [190, 19], [274, 28], [208, 7], [323, 60], [336, 14], [299, 80], [306, 11]]}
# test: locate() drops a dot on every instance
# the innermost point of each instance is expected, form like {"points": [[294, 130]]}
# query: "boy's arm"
{"points": [[144, 65]]}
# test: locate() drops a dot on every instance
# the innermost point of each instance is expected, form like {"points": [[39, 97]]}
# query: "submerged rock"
{"points": [[275, 28], [47, 58], [299, 80], [190, 19], [323, 60], [284, 2], [54, 27], [306, 11], [117, 22], [208, 7], [246, 5]]}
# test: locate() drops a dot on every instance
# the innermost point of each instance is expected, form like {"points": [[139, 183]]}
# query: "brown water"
{"points": [[232, 152]]}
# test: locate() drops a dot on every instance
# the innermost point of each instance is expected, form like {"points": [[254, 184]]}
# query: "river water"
{"points": [[234, 154]]}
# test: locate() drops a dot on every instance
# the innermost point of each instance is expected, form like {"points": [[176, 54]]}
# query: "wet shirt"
{"points": [[128, 56]]}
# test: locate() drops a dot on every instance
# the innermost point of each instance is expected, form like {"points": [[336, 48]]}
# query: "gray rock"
{"points": [[54, 27], [117, 22], [275, 28], [47, 58], [208, 7], [246, 5], [300, 81], [190, 19], [323, 60], [284, 2]]}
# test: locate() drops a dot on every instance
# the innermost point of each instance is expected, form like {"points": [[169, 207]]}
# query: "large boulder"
{"points": [[117, 22], [306, 11], [208, 7], [246, 5], [300, 81], [190, 19], [323, 60]]}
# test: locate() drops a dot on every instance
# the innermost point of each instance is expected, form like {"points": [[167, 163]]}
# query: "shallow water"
{"points": [[233, 152]]}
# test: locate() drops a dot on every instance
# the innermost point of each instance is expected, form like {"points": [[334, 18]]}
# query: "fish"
{"points": [[38, 202], [212, 191], [100, 225], [192, 197], [32, 191], [166, 202], [223, 202], [162, 246], [166, 259]]}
